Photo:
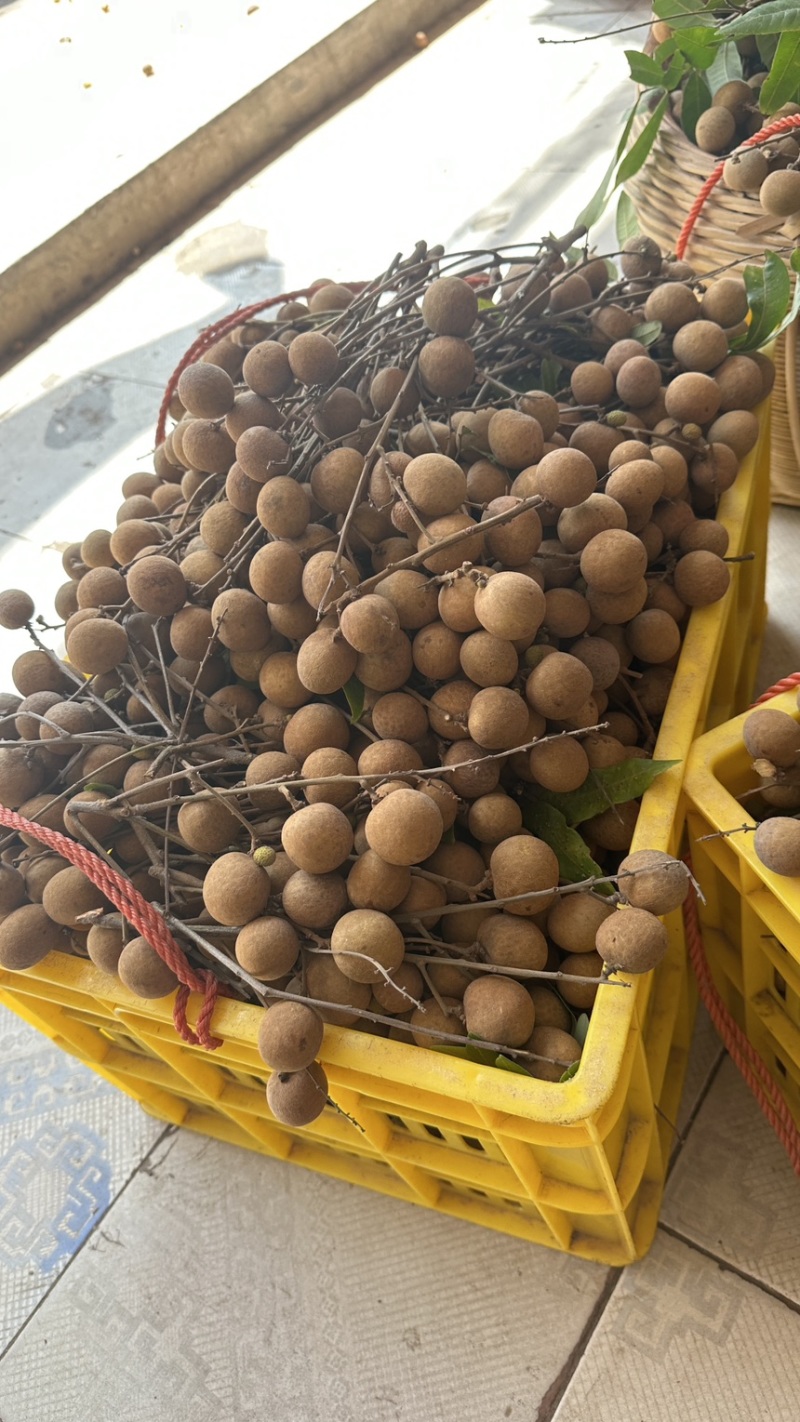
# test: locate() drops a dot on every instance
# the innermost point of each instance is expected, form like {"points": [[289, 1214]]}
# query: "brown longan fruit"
{"points": [[569, 292], [27, 935], [550, 1010], [313, 358], [701, 578], [673, 304], [190, 632], [580, 996], [313, 728], [447, 366], [393, 997], [510, 606], [399, 716], [207, 826], [523, 864], [240, 620], [497, 718], [468, 549], [330, 762], [16, 608], [444, 798], [638, 381], [314, 900], [602, 659], [715, 131], [241, 491], [637, 486], [39, 871], [436, 1017], [591, 383], [156, 585], [559, 686], [725, 300], [566, 478], [275, 573], [779, 193], [450, 307], [692, 398], [104, 944], [653, 689], [290, 1033], [560, 765], [250, 409], [435, 651], [700, 346], [101, 587], [457, 602], [221, 527], [404, 828], [298, 1098], [206, 446], [96, 645], [335, 479], [488, 660], [12, 889], [69, 894], [205, 391], [96, 550], [374, 884], [325, 579], [469, 773], [498, 1009], [449, 708], [567, 613], [262, 454], [27, 723], [283, 507], [737, 428], [641, 257], [632, 940], [413, 596], [577, 525], [204, 572], [661, 883], [614, 828], [385, 389], [740, 383], [515, 439], [364, 934], [574, 919], [142, 971], [266, 369], [777, 844], [236, 889], [555, 1043], [653, 636], [772, 735], [423, 902], [613, 561], [279, 682], [37, 671], [493, 817], [509, 941], [318, 838], [370, 624], [327, 983], [228, 707], [435, 484], [270, 765], [325, 661], [66, 600], [73, 718], [744, 173], [705, 533]]}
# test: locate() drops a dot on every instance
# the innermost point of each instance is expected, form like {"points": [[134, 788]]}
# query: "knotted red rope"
{"points": [[782, 125], [741, 1051], [144, 917]]}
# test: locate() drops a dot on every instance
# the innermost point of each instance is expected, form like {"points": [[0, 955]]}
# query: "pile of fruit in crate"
{"points": [[772, 738], [362, 689]]}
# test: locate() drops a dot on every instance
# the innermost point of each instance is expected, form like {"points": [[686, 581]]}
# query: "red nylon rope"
{"points": [[741, 1051], [779, 126], [144, 917]]}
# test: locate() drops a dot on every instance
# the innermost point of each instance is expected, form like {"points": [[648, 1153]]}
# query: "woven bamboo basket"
{"points": [[663, 193]]}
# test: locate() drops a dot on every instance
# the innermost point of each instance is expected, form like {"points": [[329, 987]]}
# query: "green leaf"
{"points": [[613, 785], [354, 692], [674, 65], [696, 99], [768, 294], [102, 787], [571, 1071], [480, 1056], [774, 18], [794, 309], [596, 205], [727, 65], [506, 1064], [575, 863], [680, 14], [767, 45], [699, 45], [627, 221], [648, 332], [638, 152], [484, 304], [581, 1028], [550, 376], [784, 78], [644, 70]]}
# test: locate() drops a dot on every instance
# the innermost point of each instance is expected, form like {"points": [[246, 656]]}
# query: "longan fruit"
{"points": [[27, 723], [424, 902], [523, 864], [591, 383], [493, 817], [613, 561], [574, 919], [715, 131], [370, 624], [497, 718], [779, 193], [559, 686], [248, 409], [701, 578], [740, 384], [279, 682], [262, 454], [143, 972], [614, 828], [578, 524], [399, 716], [446, 366], [364, 934], [27, 935], [207, 826], [737, 428], [12, 889], [569, 292], [632, 940], [71, 717], [509, 941], [403, 828], [567, 613], [450, 307], [205, 391], [275, 573], [550, 1010], [561, 765], [330, 296], [700, 346], [435, 484], [36, 671], [386, 671], [498, 1009], [744, 173], [777, 844], [449, 708], [290, 1033], [673, 304], [206, 447], [313, 358], [241, 491], [692, 398], [468, 548], [16, 608], [318, 838], [555, 1043], [637, 486], [374, 884], [772, 735], [566, 477], [221, 526], [430, 1018], [325, 661], [385, 389], [70, 894], [661, 883], [468, 771], [580, 996], [314, 727], [283, 507], [156, 585], [653, 636], [510, 606], [444, 798], [324, 579], [515, 439], [266, 369], [39, 871], [488, 660], [393, 997], [235, 889], [96, 645], [638, 381], [330, 762], [228, 707], [601, 658], [297, 1098], [280, 872], [314, 900], [456, 602], [327, 983], [104, 944], [204, 572], [335, 479], [413, 596]]}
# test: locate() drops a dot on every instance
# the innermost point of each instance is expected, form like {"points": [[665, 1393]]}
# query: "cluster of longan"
{"points": [[356, 618], [772, 738]]}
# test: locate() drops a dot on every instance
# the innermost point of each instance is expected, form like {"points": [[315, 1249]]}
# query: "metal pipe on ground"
{"points": [[113, 236]]}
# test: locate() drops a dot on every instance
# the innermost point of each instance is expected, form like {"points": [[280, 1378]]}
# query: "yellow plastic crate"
{"points": [[578, 1166], [751, 919]]}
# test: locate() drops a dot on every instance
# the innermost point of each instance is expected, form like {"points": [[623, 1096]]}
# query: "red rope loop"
{"points": [[144, 917], [772, 129]]}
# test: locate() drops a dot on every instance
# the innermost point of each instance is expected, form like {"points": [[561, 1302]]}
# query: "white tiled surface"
{"points": [[148, 1276]]}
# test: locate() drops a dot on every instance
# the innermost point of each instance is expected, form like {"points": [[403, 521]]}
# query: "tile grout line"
{"points": [[552, 1398], [167, 1131], [729, 1268], [680, 1141]]}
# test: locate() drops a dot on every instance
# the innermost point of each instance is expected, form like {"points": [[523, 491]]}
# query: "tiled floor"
{"points": [[150, 1276]]}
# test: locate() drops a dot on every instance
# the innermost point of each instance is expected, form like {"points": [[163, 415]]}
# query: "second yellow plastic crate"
{"points": [[751, 918], [578, 1166]]}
